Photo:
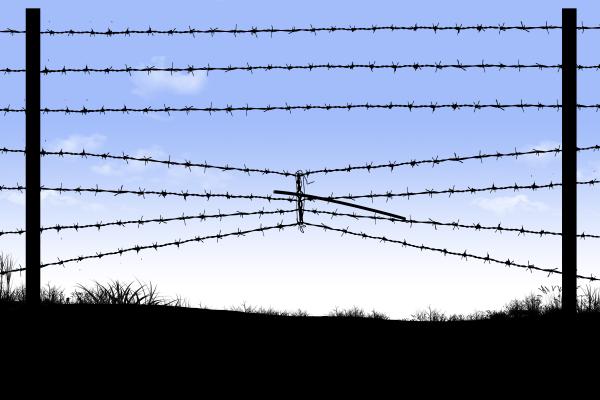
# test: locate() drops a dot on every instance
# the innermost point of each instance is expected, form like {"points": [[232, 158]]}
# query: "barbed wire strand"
{"points": [[368, 166], [227, 195], [388, 195], [458, 28], [156, 246], [372, 66], [453, 224], [464, 254], [436, 160], [203, 216], [326, 107], [145, 159], [143, 192], [160, 220]]}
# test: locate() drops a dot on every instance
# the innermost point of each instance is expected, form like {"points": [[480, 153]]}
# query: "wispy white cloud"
{"points": [[507, 204], [106, 170], [53, 199], [155, 174], [133, 169], [13, 197], [146, 85], [199, 179], [76, 143], [541, 159]]}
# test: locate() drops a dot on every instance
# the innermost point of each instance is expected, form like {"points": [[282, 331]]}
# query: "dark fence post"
{"points": [[32, 155], [569, 161]]}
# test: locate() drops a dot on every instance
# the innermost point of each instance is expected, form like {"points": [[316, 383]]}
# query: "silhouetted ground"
{"points": [[107, 320], [149, 325], [152, 342]]}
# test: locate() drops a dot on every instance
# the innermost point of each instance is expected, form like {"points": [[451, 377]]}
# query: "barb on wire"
{"points": [[475, 106], [260, 213], [453, 224], [186, 164], [508, 262], [143, 192], [436, 160], [5, 150], [254, 31], [371, 66], [156, 246], [368, 167], [160, 220], [208, 195], [19, 188], [451, 191]]}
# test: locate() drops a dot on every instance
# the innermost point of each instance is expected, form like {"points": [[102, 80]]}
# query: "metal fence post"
{"points": [[32, 156], [569, 161]]}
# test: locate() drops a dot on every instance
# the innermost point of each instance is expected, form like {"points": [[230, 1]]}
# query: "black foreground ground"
{"points": [[181, 329]]}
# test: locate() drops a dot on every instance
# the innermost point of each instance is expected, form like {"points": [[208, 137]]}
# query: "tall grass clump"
{"points": [[589, 300], [7, 293], [116, 292], [430, 315], [52, 295]]}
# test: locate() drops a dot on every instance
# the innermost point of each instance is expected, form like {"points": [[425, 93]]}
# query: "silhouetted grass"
{"points": [[431, 315], [268, 311], [532, 307], [116, 292], [7, 264], [356, 312], [544, 305]]}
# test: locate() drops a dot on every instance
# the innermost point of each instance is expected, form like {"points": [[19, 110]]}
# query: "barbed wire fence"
{"points": [[372, 66], [34, 153], [501, 27]]}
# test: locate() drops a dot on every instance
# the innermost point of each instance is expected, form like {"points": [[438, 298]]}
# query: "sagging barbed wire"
{"points": [[430, 192], [254, 30], [203, 216], [456, 225], [160, 220], [372, 66], [368, 166], [157, 246], [146, 159], [143, 193], [404, 243], [208, 195], [436, 160], [475, 106]]}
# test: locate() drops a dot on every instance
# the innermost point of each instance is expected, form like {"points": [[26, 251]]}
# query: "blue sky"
{"points": [[314, 270]]}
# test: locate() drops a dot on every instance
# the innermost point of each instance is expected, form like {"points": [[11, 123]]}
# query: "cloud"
{"points": [[156, 152], [156, 174], [106, 170], [76, 143], [53, 199], [182, 83], [541, 159], [504, 205], [199, 178], [134, 168], [14, 198]]}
